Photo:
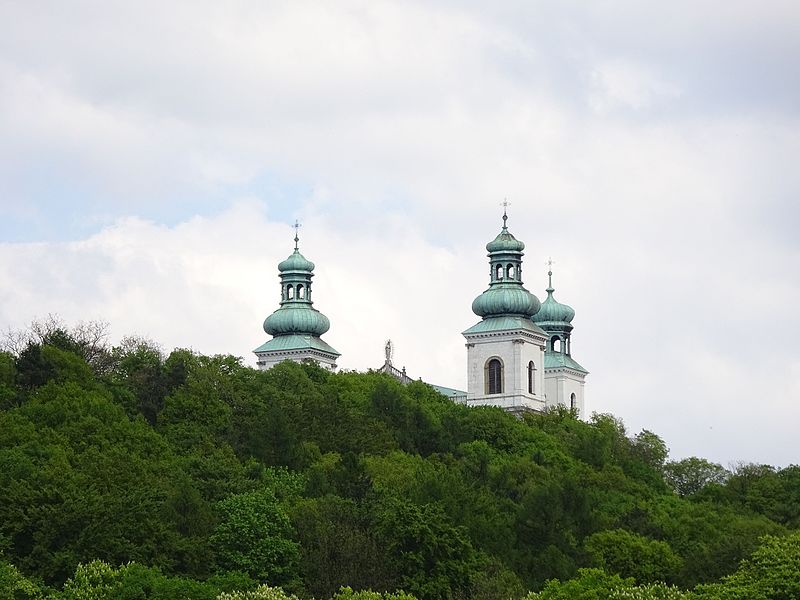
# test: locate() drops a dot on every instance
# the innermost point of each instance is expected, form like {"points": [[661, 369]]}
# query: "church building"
{"points": [[519, 355]]}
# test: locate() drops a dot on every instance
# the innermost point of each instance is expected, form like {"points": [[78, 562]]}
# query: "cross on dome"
{"points": [[297, 227]]}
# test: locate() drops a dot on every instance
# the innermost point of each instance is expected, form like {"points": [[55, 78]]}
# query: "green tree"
{"points": [[433, 558], [690, 475], [347, 593], [650, 591], [338, 547], [632, 555], [262, 592], [254, 535], [771, 573], [98, 580], [590, 584], [15, 586]]}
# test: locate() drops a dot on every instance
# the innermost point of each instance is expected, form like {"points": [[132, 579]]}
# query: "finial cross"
{"points": [[297, 227], [505, 204], [550, 262]]}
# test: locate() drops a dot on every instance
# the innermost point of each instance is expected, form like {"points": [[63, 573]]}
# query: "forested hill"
{"points": [[209, 477]]}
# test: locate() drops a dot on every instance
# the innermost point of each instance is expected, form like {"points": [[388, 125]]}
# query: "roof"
{"points": [[554, 360], [504, 323], [296, 342], [446, 391]]}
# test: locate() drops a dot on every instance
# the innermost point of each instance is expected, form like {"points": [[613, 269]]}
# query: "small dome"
{"points": [[297, 318], [296, 262], [511, 299], [553, 311], [505, 242]]}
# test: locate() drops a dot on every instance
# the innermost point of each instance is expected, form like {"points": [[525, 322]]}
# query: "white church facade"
{"points": [[519, 355]]}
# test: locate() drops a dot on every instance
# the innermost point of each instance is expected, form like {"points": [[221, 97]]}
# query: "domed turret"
{"points": [[296, 262], [553, 313], [555, 318], [296, 326], [505, 299], [296, 319], [505, 242], [506, 296]]}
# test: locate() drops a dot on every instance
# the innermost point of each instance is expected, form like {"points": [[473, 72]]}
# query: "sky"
{"points": [[154, 156]]}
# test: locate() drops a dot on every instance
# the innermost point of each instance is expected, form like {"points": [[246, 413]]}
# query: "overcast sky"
{"points": [[153, 157]]}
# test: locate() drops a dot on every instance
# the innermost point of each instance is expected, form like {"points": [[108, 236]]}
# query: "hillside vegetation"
{"points": [[125, 473]]}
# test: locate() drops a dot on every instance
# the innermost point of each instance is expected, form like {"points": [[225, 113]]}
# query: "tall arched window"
{"points": [[301, 291], [499, 272], [494, 376], [531, 378], [572, 403], [510, 272], [555, 344], [289, 292]]}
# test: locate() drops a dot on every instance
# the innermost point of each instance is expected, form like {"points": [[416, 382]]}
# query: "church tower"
{"points": [[296, 326], [505, 350], [564, 378]]}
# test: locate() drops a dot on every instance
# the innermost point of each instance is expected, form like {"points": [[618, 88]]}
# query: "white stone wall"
{"points": [[560, 384], [514, 349]]}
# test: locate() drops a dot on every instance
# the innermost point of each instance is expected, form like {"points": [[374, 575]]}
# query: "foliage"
{"points": [[254, 536], [650, 591], [347, 593], [202, 476], [590, 584], [100, 581], [262, 592], [690, 475], [15, 586], [633, 555], [772, 573]]}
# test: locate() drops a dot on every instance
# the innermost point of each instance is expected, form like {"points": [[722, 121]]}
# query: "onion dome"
{"points": [[296, 262], [553, 313], [506, 296], [505, 300], [296, 318], [296, 314], [505, 242]]}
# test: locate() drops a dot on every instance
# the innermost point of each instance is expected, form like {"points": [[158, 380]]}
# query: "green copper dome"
{"points": [[553, 313], [296, 262], [296, 315], [505, 242], [505, 299], [506, 296], [296, 318]]}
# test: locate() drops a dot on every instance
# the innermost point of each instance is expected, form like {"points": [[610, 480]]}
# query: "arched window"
{"points": [[510, 271], [289, 292], [301, 291], [499, 272], [555, 344], [572, 403], [494, 376], [531, 378]]}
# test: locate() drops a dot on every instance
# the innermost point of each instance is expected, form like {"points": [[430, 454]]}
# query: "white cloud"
{"points": [[623, 84], [648, 149]]}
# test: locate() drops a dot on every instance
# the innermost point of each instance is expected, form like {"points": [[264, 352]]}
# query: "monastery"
{"points": [[519, 355]]}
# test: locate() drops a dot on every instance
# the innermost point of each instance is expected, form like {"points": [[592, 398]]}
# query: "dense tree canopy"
{"points": [[187, 476]]}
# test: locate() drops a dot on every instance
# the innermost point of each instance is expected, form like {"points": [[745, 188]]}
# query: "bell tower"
{"points": [[564, 378], [296, 326], [505, 350]]}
